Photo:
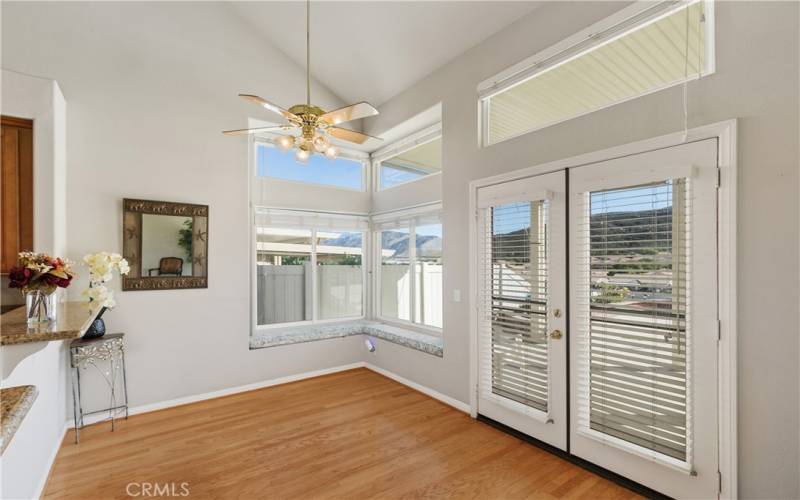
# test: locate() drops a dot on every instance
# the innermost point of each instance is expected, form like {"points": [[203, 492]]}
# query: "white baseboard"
{"points": [[134, 410], [50, 461], [455, 403]]}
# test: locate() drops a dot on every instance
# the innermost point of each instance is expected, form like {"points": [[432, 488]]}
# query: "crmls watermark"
{"points": [[145, 489]]}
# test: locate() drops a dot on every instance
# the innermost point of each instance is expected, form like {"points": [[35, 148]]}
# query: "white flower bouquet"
{"points": [[101, 267]]}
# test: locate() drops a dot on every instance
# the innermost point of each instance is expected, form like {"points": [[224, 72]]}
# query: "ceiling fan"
{"points": [[312, 122]]}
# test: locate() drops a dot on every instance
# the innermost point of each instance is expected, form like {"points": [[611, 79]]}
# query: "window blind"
{"points": [[663, 45], [384, 222], [514, 303], [296, 219], [633, 311]]}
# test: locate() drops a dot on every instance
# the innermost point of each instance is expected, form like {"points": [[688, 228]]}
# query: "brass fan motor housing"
{"points": [[310, 118], [305, 109]]}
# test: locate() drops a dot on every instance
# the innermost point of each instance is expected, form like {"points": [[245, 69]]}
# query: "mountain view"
{"points": [[427, 246], [631, 232]]}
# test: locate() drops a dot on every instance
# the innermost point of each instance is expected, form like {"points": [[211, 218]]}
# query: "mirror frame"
{"points": [[132, 211]]}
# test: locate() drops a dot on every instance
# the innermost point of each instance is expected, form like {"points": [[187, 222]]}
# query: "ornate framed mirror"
{"points": [[166, 245]]}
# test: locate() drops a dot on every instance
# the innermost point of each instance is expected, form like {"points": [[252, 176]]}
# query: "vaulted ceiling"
{"points": [[373, 50]]}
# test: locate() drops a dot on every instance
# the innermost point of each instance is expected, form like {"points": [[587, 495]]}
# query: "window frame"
{"points": [[528, 68], [407, 143], [315, 320], [401, 216], [268, 140]]}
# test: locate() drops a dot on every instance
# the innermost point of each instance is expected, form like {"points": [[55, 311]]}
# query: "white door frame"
{"points": [[725, 133]]}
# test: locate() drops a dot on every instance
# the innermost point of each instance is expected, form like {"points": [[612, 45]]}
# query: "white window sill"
{"points": [[424, 342]]}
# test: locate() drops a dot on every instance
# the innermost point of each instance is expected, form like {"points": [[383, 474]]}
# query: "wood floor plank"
{"points": [[353, 435]]}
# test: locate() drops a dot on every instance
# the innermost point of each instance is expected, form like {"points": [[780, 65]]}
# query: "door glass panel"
{"points": [[638, 311], [519, 299]]}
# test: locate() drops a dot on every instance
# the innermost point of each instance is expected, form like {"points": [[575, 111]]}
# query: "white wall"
{"points": [[40, 99], [150, 87], [26, 461], [756, 81]]}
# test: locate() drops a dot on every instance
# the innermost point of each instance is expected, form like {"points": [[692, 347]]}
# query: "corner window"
{"points": [[410, 270], [642, 49], [346, 173], [409, 160], [309, 267]]}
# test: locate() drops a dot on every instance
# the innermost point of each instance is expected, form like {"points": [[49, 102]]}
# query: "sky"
{"points": [[272, 162], [395, 176]]}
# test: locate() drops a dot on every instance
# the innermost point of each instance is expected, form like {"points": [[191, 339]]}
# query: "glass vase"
{"points": [[41, 307]]}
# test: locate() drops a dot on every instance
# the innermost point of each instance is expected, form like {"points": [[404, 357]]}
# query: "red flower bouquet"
{"points": [[38, 275], [39, 271]]}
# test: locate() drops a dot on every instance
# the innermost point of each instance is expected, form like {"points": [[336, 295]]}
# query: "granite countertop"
{"points": [[72, 321], [14, 405], [424, 342]]}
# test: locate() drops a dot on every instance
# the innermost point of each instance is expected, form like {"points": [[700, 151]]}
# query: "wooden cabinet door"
{"points": [[16, 150]]}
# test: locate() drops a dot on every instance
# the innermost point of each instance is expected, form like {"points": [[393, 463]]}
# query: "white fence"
{"points": [[284, 293], [396, 297]]}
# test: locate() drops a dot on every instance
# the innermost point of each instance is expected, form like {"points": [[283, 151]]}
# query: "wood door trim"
{"points": [[17, 189], [13, 121]]}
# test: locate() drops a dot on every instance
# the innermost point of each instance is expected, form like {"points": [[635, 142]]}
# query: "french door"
{"points": [[643, 317], [522, 356], [644, 330]]}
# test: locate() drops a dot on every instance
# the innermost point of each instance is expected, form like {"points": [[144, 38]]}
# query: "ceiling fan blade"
{"points": [[245, 131], [272, 107], [350, 135], [348, 113]]}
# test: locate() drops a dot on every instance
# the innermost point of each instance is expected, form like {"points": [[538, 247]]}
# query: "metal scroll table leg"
{"points": [[125, 383], [75, 398]]}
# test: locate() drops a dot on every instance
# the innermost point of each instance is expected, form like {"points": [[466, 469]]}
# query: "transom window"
{"points": [[342, 172], [642, 49], [415, 157]]}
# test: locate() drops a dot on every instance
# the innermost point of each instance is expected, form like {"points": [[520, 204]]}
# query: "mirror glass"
{"points": [[166, 245]]}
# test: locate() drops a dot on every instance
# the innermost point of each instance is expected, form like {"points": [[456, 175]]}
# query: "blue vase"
{"points": [[98, 327]]}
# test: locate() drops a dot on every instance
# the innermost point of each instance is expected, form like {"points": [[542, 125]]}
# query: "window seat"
{"points": [[424, 342]]}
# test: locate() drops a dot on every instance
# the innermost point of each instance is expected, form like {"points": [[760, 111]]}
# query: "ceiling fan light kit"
{"points": [[313, 123]]}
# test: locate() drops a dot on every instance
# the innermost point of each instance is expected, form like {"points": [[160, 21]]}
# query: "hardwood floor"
{"points": [[353, 434]]}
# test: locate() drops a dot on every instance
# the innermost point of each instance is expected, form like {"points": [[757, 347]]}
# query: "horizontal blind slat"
{"points": [[513, 301], [635, 312]]}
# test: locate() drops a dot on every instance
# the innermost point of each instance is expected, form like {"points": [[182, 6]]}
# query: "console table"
{"points": [[85, 353]]}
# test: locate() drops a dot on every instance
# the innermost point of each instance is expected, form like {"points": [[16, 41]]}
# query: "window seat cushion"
{"points": [[424, 342]]}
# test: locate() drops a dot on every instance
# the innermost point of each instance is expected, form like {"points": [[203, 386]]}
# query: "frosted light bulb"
{"points": [[331, 152], [302, 155], [320, 143], [285, 142]]}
